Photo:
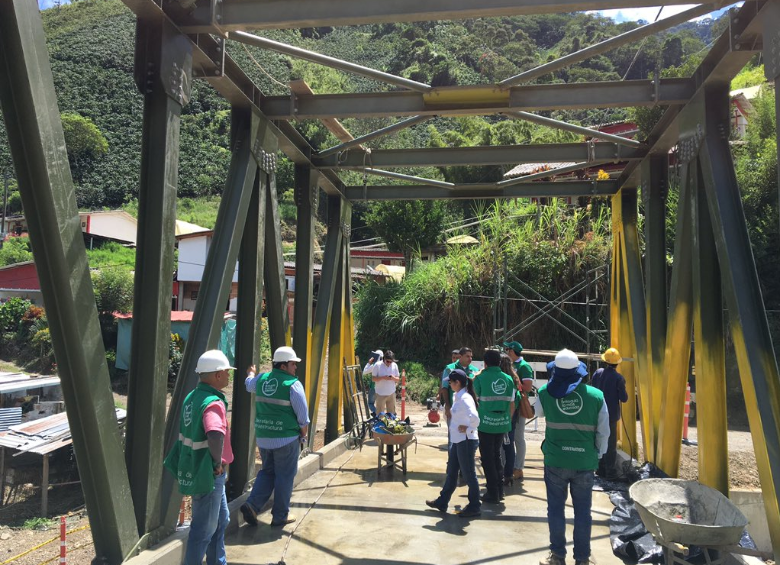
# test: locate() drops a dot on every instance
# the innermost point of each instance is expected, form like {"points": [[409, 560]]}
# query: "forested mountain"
{"points": [[91, 46]]}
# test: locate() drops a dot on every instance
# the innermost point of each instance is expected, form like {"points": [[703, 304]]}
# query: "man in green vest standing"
{"points": [[526, 375], [496, 393], [199, 458], [281, 426], [463, 362], [575, 439]]}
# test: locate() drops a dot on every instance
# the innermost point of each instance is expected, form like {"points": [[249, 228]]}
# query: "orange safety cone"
{"points": [[403, 394], [63, 543]]}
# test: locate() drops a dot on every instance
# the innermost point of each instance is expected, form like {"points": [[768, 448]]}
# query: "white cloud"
{"points": [[647, 14]]}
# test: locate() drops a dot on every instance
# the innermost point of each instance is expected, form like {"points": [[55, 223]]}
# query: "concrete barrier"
{"points": [[751, 503], [170, 551]]}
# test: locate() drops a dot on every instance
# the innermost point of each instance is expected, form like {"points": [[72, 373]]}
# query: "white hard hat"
{"points": [[285, 354], [378, 354], [212, 361], [566, 359]]}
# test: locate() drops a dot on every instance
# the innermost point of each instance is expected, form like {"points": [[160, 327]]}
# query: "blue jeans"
{"points": [[461, 459], [371, 399], [558, 481], [210, 517], [276, 477]]}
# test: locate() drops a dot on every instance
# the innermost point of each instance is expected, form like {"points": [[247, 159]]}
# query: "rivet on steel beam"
{"points": [[737, 46], [217, 72]]}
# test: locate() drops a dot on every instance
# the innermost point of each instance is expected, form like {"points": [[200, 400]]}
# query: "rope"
{"points": [[56, 538], [259, 66]]}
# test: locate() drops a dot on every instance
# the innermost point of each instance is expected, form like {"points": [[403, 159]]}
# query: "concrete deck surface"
{"points": [[349, 514]]}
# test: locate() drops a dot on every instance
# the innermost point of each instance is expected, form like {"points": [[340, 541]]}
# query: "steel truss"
{"points": [[131, 502]]}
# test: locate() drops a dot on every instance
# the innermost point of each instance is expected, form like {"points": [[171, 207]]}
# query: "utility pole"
{"points": [[5, 205]]}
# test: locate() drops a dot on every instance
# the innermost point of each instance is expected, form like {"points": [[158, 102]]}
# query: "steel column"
{"points": [[678, 333], [276, 306], [163, 61], [336, 353], [710, 350], [747, 318], [635, 296], [347, 321], [32, 119], [249, 311], [307, 195], [214, 292], [655, 173], [337, 214]]}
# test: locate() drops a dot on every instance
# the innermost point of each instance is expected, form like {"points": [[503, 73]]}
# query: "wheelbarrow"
{"points": [[681, 514], [391, 445]]}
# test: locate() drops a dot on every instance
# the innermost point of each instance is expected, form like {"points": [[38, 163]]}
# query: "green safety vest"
{"points": [[190, 460], [495, 391], [470, 371], [570, 439], [274, 415]]}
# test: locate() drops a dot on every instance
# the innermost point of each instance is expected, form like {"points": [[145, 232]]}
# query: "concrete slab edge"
{"points": [[170, 551]]}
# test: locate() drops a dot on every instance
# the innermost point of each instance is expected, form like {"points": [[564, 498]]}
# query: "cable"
{"points": [[285, 86]]}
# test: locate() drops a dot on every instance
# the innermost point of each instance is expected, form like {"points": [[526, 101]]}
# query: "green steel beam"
{"points": [[338, 211], [276, 305], [747, 317], [307, 195], [214, 291], [163, 61], [477, 191], [286, 14], [477, 100], [347, 322], [37, 143], [679, 327], [336, 353], [249, 311], [483, 155], [710, 350], [655, 182]]}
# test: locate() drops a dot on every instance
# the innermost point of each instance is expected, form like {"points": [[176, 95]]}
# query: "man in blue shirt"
{"points": [[613, 385]]}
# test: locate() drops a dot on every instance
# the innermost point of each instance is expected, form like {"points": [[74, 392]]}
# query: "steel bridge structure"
{"points": [[131, 502]]}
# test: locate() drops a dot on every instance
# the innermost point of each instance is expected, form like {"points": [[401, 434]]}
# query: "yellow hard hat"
{"points": [[612, 356]]}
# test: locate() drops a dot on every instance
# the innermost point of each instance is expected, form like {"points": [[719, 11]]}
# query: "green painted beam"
{"points": [[214, 292], [163, 75], [477, 100], [275, 284], [338, 211], [357, 158], [249, 310], [478, 191], [32, 120], [306, 199]]}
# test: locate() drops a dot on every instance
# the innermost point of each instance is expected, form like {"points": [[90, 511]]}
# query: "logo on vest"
{"points": [[187, 414], [570, 405], [270, 386], [499, 387]]}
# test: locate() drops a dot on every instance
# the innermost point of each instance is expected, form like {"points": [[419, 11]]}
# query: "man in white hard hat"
{"points": [[281, 426], [574, 440], [200, 456]]}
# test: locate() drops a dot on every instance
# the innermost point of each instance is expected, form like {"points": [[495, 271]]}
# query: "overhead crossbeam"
{"points": [[481, 191], [231, 15], [565, 126], [549, 173], [481, 155], [479, 100], [398, 126]]}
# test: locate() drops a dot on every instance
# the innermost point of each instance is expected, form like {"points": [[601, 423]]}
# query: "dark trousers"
{"points": [[509, 452], [490, 450], [461, 460], [607, 462]]}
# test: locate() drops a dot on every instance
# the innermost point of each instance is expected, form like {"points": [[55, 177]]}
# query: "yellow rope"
{"points": [[15, 557]]}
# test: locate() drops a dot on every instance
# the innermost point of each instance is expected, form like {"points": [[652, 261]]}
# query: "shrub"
{"points": [[11, 313], [175, 354], [16, 250], [420, 385]]}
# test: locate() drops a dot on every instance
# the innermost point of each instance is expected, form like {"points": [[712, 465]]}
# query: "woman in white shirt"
{"points": [[464, 438]]}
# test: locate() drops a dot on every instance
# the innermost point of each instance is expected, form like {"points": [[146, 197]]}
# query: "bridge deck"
{"points": [[359, 517]]}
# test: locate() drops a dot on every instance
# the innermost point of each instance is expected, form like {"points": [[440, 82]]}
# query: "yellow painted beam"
{"points": [[475, 96]]}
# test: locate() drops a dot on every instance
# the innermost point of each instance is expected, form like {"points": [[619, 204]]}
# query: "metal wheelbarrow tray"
{"points": [[391, 445]]}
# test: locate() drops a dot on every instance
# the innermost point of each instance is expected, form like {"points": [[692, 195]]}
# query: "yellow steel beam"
{"points": [[474, 96], [678, 333], [335, 355], [710, 350]]}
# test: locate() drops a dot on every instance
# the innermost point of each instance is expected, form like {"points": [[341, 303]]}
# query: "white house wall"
{"points": [[192, 258]]}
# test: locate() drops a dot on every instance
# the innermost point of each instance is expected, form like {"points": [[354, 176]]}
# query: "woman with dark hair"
{"points": [[464, 443], [509, 442]]}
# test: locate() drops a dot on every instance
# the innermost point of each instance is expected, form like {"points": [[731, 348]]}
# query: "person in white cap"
{"points": [[574, 440], [376, 357], [199, 458], [281, 426]]}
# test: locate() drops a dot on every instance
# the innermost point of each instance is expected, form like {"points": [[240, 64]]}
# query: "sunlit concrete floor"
{"points": [[348, 513]]}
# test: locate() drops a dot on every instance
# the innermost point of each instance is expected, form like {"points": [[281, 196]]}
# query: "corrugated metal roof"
{"points": [[10, 417], [15, 382], [531, 168], [43, 436]]}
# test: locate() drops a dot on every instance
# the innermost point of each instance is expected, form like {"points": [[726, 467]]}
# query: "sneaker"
{"points": [[289, 520], [588, 561], [553, 559], [517, 474], [469, 513], [487, 499], [435, 505], [250, 516]]}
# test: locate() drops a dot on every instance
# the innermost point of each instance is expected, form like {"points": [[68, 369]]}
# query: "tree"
{"points": [[408, 225], [15, 250], [82, 137]]}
